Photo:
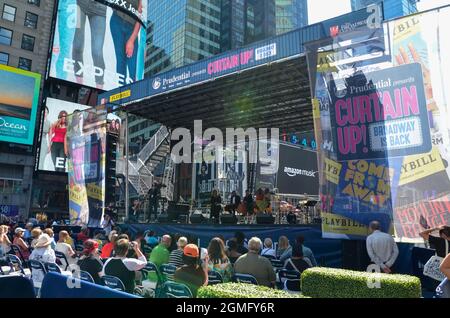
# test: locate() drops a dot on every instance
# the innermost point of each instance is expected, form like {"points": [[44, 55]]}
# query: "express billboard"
{"points": [[53, 146], [99, 44], [19, 97]]}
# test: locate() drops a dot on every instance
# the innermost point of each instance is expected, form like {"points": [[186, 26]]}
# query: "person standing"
{"points": [[96, 13], [216, 201], [249, 206], [57, 141], [442, 243], [126, 45], [235, 200], [381, 247], [153, 198]]}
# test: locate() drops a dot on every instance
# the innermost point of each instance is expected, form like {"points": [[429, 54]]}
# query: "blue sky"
{"points": [[320, 10]]}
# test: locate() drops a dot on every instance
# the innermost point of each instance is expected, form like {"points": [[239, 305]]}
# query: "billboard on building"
{"points": [[19, 98], [100, 44], [383, 127], [86, 144], [53, 147]]}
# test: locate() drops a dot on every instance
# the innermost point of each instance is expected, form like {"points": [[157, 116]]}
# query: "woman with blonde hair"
{"points": [[63, 247], [35, 234], [283, 246], [57, 141], [20, 242], [5, 243]]}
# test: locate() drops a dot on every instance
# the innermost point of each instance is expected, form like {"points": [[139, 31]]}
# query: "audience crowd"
{"points": [[126, 256]]}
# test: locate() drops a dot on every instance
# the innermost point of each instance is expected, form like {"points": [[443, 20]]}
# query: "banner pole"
{"points": [[127, 193]]}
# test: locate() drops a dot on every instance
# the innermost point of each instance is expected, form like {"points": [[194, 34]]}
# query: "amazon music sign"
{"points": [[297, 172]]}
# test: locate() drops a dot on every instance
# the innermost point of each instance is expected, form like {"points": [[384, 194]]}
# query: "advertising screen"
{"points": [[297, 171], [100, 44], [53, 150], [19, 97]]}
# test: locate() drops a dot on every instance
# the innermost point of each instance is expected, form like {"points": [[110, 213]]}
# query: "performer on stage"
{"points": [[154, 195], [216, 201], [235, 200], [249, 206]]}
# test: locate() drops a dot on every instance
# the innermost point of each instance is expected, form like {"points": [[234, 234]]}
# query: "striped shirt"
{"points": [[176, 258]]}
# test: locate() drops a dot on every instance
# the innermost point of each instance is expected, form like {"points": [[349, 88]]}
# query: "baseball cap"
{"points": [[19, 229], [89, 246], [191, 250]]}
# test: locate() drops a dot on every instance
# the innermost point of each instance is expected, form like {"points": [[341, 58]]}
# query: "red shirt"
{"points": [[82, 237], [60, 134], [107, 250]]}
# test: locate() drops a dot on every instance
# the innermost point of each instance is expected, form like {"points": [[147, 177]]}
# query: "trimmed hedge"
{"points": [[338, 283], [240, 290]]}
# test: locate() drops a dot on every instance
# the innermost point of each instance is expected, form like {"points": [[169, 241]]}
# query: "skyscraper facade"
{"points": [[291, 15], [392, 8], [181, 32]]}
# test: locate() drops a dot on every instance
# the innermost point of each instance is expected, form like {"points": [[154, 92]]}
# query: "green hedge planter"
{"points": [[236, 290], [338, 283]]}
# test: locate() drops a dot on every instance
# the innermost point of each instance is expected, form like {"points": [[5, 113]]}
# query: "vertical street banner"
{"points": [[383, 130], [86, 139]]}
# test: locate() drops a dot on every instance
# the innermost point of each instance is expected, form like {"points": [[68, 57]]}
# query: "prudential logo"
{"points": [[156, 83], [293, 172]]}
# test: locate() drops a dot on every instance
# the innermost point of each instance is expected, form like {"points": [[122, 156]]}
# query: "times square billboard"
{"points": [[100, 44]]}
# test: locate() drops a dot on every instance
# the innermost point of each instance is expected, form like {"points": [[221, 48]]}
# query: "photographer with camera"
{"points": [[125, 268]]}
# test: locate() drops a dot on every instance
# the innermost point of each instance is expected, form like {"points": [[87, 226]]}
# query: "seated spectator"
{"points": [[232, 252], [28, 229], [50, 233], [151, 239], [42, 252], [83, 235], [107, 224], [284, 249], [240, 241], [125, 268], [218, 259], [5, 243], [66, 249], [160, 254], [307, 253], [256, 265], [268, 248], [35, 234], [20, 242], [176, 256], [297, 262], [90, 261], [192, 274], [109, 247], [69, 240]]}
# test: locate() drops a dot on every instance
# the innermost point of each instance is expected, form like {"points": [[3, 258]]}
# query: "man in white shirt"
{"points": [[381, 247]]}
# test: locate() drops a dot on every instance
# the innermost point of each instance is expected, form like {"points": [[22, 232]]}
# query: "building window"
{"points": [[28, 42], [4, 58], [31, 20], [9, 13], [35, 2], [10, 186], [24, 64], [5, 36]]}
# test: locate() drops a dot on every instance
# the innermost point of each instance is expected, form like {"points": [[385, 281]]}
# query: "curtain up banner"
{"points": [[382, 126], [85, 146]]}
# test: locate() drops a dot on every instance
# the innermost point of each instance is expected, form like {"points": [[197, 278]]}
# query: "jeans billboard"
{"points": [[382, 127], [99, 44]]}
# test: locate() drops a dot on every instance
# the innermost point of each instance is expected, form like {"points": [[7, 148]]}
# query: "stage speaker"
{"points": [[163, 218], [228, 219], [265, 219], [197, 219]]}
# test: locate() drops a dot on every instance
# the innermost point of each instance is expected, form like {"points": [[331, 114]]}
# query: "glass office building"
{"points": [[181, 32], [291, 15], [392, 8]]}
